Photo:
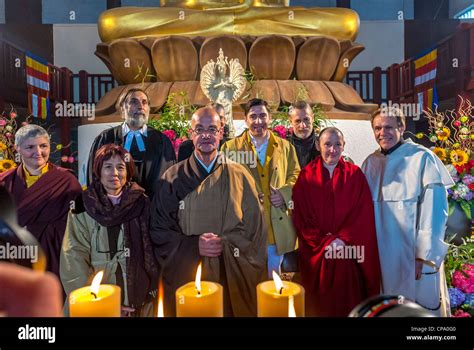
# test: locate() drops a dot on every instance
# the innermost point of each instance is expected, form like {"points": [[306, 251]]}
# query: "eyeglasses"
{"points": [[210, 131]]}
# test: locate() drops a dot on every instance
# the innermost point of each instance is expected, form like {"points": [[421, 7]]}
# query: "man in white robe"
{"points": [[408, 184]]}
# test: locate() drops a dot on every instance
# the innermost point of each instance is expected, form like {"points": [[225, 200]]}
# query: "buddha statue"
{"points": [[217, 17], [222, 4]]}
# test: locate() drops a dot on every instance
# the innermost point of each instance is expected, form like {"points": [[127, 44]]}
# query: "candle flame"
{"points": [[291, 306], [96, 283], [278, 282], [198, 279], [161, 312]]}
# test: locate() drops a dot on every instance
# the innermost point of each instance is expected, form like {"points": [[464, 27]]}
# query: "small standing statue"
{"points": [[222, 88]]}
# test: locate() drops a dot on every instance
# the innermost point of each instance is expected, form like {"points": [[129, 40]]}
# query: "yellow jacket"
{"points": [[284, 170]]}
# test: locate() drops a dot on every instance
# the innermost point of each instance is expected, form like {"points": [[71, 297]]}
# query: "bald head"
{"points": [[206, 130], [203, 113], [332, 130], [331, 145]]}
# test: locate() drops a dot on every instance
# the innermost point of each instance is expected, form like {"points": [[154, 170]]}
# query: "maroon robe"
{"points": [[325, 209], [43, 207]]}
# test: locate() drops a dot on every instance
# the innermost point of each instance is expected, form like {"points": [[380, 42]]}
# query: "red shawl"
{"points": [[43, 207], [341, 205]]}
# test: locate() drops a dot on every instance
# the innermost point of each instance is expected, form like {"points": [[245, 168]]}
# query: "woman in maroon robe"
{"points": [[334, 218], [43, 192]]}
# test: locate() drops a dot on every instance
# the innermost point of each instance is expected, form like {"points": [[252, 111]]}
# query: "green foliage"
{"points": [[280, 117], [457, 256], [174, 115]]}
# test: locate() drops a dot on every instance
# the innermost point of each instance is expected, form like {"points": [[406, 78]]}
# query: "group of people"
{"points": [[238, 206]]}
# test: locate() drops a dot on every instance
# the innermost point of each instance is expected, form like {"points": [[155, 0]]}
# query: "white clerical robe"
{"points": [[410, 201]]}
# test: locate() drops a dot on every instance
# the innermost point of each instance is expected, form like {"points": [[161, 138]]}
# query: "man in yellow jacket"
{"points": [[275, 173]]}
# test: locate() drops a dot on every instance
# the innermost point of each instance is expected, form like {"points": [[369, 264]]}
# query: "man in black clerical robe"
{"points": [[150, 149]]}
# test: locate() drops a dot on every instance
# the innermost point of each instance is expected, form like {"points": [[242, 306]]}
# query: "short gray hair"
{"points": [[332, 130], [28, 131]]}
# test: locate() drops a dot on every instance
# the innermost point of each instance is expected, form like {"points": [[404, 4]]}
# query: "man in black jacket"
{"points": [[303, 138], [150, 149]]}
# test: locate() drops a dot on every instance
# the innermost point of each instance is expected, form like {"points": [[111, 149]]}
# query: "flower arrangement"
{"points": [[8, 126], [452, 132], [459, 265], [173, 119]]}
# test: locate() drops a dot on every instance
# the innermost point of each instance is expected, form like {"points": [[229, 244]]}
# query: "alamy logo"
{"points": [[82, 110], [355, 252], [409, 110], [23, 252], [37, 333]]}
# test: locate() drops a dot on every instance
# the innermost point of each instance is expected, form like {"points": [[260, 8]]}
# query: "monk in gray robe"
{"points": [[207, 209]]}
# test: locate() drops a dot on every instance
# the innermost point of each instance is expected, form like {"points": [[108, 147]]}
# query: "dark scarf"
{"points": [[133, 213]]}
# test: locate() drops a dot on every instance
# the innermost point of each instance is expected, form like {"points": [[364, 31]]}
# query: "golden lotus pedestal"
{"points": [[290, 52], [287, 49]]}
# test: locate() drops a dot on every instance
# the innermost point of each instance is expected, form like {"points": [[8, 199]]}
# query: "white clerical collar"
{"points": [[211, 165], [126, 129]]}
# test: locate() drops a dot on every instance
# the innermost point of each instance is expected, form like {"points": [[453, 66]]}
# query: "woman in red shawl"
{"points": [[42, 191], [334, 218]]}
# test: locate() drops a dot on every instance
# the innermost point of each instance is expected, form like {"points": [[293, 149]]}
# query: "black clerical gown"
{"points": [[158, 156]]}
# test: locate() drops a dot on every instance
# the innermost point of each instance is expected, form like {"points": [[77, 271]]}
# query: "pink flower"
{"points": [[177, 143], [170, 134], [457, 123], [465, 284], [461, 314], [280, 130], [468, 179], [3, 122]]}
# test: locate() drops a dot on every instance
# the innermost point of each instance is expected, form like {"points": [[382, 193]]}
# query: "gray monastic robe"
{"points": [[190, 202]]}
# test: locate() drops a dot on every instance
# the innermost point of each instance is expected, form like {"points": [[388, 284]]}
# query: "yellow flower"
{"points": [[459, 157], [443, 134], [440, 152], [419, 135], [3, 147], [464, 118], [6, 164]]}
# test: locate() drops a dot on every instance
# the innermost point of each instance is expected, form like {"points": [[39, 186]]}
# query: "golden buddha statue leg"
{"points": [[135, 22], [339, 23]]}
